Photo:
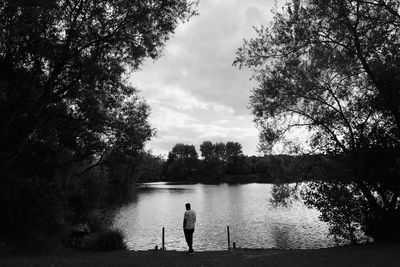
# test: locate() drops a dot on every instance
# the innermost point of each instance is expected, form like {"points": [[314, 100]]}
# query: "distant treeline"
{"points": [[225, 162]]}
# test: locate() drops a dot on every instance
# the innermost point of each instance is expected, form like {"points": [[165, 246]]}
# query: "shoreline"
{"points": [[387, 254]]}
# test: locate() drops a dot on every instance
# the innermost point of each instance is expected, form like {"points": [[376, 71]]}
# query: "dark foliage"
{"points": [[71, 128], [149, 168], [182, 162], [342, 207], [107, 240], [332, 67], [219, 166]]}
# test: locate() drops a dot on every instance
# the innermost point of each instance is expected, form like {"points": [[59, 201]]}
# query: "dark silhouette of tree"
{"points": [[182, 162], [213, 166], [333, 67], [182, 151], [220, 151], [207, 150], [233, 149], [65, 107], [237, 163], [149, 168]]}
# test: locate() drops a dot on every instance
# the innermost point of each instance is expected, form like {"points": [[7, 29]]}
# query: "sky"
{"points": [[194, 92]]}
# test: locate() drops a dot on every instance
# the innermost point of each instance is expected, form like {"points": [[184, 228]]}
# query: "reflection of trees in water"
{"points": [[283, 236], [134, 198], [175, 190]]}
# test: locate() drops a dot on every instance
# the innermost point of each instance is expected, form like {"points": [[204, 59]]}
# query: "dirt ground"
{"points": [[362, 255]]}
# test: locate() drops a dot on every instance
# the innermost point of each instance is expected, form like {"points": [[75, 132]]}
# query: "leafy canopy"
{"points": [[65, 105], [333, 68], [62, 65], [330, 66]]}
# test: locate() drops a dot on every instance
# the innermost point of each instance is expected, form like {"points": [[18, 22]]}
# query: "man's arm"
{"points": [[184, 223]]}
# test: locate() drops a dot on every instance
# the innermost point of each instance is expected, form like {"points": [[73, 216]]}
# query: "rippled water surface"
{"points": [[253, 222]]}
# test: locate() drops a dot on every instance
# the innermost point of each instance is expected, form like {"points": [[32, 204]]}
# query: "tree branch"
{"points": [[324, 126], [98, 163]]}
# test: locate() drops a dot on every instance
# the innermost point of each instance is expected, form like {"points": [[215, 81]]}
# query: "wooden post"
{"points": [[234, 245], [163, 238], [229, 238]]}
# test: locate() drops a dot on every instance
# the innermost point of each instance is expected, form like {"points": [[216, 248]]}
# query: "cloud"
{"points": [[176, 97], [193, 90], [194, 132]]}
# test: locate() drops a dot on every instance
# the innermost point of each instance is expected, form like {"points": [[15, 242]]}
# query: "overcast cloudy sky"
{"points": [[194, 92]]}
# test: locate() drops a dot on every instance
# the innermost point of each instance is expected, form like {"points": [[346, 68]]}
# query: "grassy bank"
{"points": [[363, 255]]}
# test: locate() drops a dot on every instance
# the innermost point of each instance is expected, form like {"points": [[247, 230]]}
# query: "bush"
{"points": [[342, 207], [110, 239]]}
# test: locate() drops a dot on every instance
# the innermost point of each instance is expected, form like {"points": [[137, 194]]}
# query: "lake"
{"points": [[245, 208]]}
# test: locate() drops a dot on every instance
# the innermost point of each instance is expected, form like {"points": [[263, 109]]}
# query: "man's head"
{"points": [[187, 205]]}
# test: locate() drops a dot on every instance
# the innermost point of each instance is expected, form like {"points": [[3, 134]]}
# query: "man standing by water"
{"points": [[189, 220]]}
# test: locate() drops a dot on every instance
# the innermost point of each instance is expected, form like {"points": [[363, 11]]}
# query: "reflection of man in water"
{"points": [[189, 220]]}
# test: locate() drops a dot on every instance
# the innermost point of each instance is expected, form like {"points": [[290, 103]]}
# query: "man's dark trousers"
{"points": [[189, 238]]}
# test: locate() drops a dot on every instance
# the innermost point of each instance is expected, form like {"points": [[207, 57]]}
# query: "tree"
{"points": [[220, 151], [65, 59], [182, 161], [182, 151], [207, 150], [332, 66], [341, 205], [214, 159], [237, 163], [65, 106], [233, 149], [149, 168]]}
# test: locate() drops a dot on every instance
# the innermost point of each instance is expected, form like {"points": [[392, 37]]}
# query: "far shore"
{"points": [[355, 255]]}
